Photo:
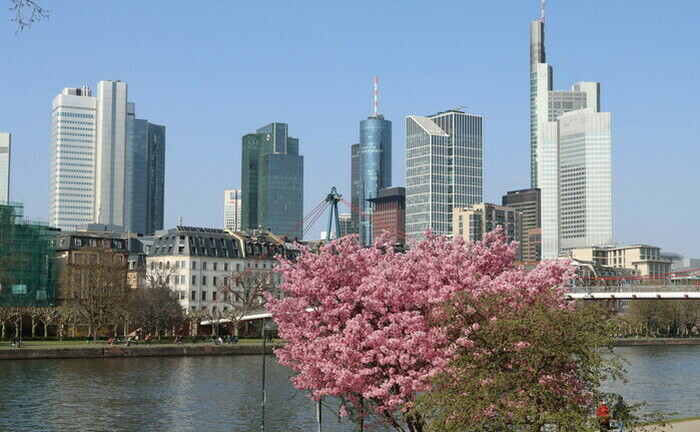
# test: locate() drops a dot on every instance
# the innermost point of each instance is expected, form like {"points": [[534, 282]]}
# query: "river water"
{"points": [[223, 393]]}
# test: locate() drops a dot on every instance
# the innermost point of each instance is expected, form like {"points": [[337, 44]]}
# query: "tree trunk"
{"points": [[35, 322], [46, 329], [3, 329], [361, 420]]}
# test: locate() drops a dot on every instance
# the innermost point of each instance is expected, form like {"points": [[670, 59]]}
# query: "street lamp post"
{"points": [[264, 396]]}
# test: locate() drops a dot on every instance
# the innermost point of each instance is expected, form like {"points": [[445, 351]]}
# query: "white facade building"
{"points": [[72, 195], [5, 147], [443, 169], [232, 209], [570, 157], [203, 264]]}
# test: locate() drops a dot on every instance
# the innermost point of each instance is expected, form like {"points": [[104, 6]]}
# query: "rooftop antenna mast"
{"points": [[542, 12], [376, 96]]}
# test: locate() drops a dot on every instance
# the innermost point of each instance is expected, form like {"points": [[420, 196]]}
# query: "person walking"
{"points": [[620, 413], [603, 416]]}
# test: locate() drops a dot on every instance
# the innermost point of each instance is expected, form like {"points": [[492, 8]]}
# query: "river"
{"points": [[223, 393]]}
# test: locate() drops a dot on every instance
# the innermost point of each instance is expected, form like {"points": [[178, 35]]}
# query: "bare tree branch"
{"points": [[27, 12]]}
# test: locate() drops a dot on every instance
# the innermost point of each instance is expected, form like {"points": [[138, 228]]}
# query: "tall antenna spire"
{"points": [[376, 95], [543, 9]]}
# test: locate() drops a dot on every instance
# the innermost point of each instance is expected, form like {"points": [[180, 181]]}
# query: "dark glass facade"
{"points": [[355, 187], [375, 167], [272, 179], [145, 177]]}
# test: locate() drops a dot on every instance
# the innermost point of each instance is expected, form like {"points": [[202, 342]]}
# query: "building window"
{"points": [[204, 296], [194, 280], [194, 265], [225, 266], [193, 295], [204, 280], [213, 266], [213, 280], [204, 265]]}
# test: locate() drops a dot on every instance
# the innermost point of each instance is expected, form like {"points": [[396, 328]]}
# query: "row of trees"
{"points": [[98, 299], [672, 318], [445, 337]]}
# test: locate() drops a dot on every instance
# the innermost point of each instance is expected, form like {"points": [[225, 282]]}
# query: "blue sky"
{"points": [[214, 71]]}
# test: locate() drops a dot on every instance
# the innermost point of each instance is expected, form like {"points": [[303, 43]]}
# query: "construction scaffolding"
{"points": [[27, 259]]}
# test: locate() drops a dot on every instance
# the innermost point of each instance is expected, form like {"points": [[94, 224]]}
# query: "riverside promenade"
{"points": [[65, 350], [692, 425]]}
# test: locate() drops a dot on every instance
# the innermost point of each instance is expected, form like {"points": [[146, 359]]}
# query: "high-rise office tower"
{"points": [[375, 165], [232, 209], [355, 188], [443, 169], [272, 181], [110, 152], [390, 214], [145, 178], [74, 125], [557, 156], [5, 141], [527, 202], [96, 161], [585, 179]]}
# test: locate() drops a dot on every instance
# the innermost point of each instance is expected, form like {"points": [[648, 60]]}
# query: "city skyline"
{"points": [[107, 166], [647, 208]]}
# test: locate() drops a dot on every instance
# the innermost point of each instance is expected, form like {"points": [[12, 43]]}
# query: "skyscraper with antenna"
{"points": [[374, 159], [570, 156]]}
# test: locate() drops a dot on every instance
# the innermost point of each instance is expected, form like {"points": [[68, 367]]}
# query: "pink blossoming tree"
{"points": [[372, 327]]}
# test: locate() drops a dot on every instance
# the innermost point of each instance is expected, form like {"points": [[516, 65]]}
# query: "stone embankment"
{"points": [[656, 341], [133, 351]]}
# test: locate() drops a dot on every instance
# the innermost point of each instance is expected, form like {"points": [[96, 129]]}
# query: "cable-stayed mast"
{"points": [[376, 95]]}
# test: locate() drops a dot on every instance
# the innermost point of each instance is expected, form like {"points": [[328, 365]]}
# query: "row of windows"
{"points": [[73, 114]]}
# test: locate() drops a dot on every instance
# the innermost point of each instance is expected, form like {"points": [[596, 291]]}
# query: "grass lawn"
{"points": [[100, 344]]}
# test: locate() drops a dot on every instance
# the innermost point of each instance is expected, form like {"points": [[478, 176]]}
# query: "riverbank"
{"points": [[656, 342], [682, 425], [117, 351]]}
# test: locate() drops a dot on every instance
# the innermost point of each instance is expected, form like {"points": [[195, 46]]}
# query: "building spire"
{"points": [[376, 95], [542, 12]]}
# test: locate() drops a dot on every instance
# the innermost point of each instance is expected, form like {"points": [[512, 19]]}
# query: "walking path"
{"points": [[683, 426]]}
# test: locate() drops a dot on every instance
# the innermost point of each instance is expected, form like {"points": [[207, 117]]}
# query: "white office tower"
{"points": [[88, 158], [72, 196], [570, 157], [443, 169], [5, 140], [232, 209], [110, 152]]}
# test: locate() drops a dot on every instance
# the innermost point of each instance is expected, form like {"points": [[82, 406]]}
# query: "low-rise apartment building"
{"points": [[644, 259], [210, 269]]}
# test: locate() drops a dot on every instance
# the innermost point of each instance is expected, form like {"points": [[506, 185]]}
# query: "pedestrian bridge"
{"points": [[626, 292], [634, 292]]}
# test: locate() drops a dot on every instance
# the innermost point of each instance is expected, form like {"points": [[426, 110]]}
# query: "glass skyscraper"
{"points": [[443, 169], [272, 180], [374, 169], [570, 147], [145, 180], [355, 187]]}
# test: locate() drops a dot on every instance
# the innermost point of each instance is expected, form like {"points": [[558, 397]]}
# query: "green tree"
{"points": [[533, 369]]}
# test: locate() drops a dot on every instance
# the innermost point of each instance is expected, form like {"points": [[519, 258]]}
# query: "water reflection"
{"points": [[223, 393], [666, 377]]}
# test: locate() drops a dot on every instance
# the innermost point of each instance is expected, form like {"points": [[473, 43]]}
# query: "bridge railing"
{"points": [[633, 289]]}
